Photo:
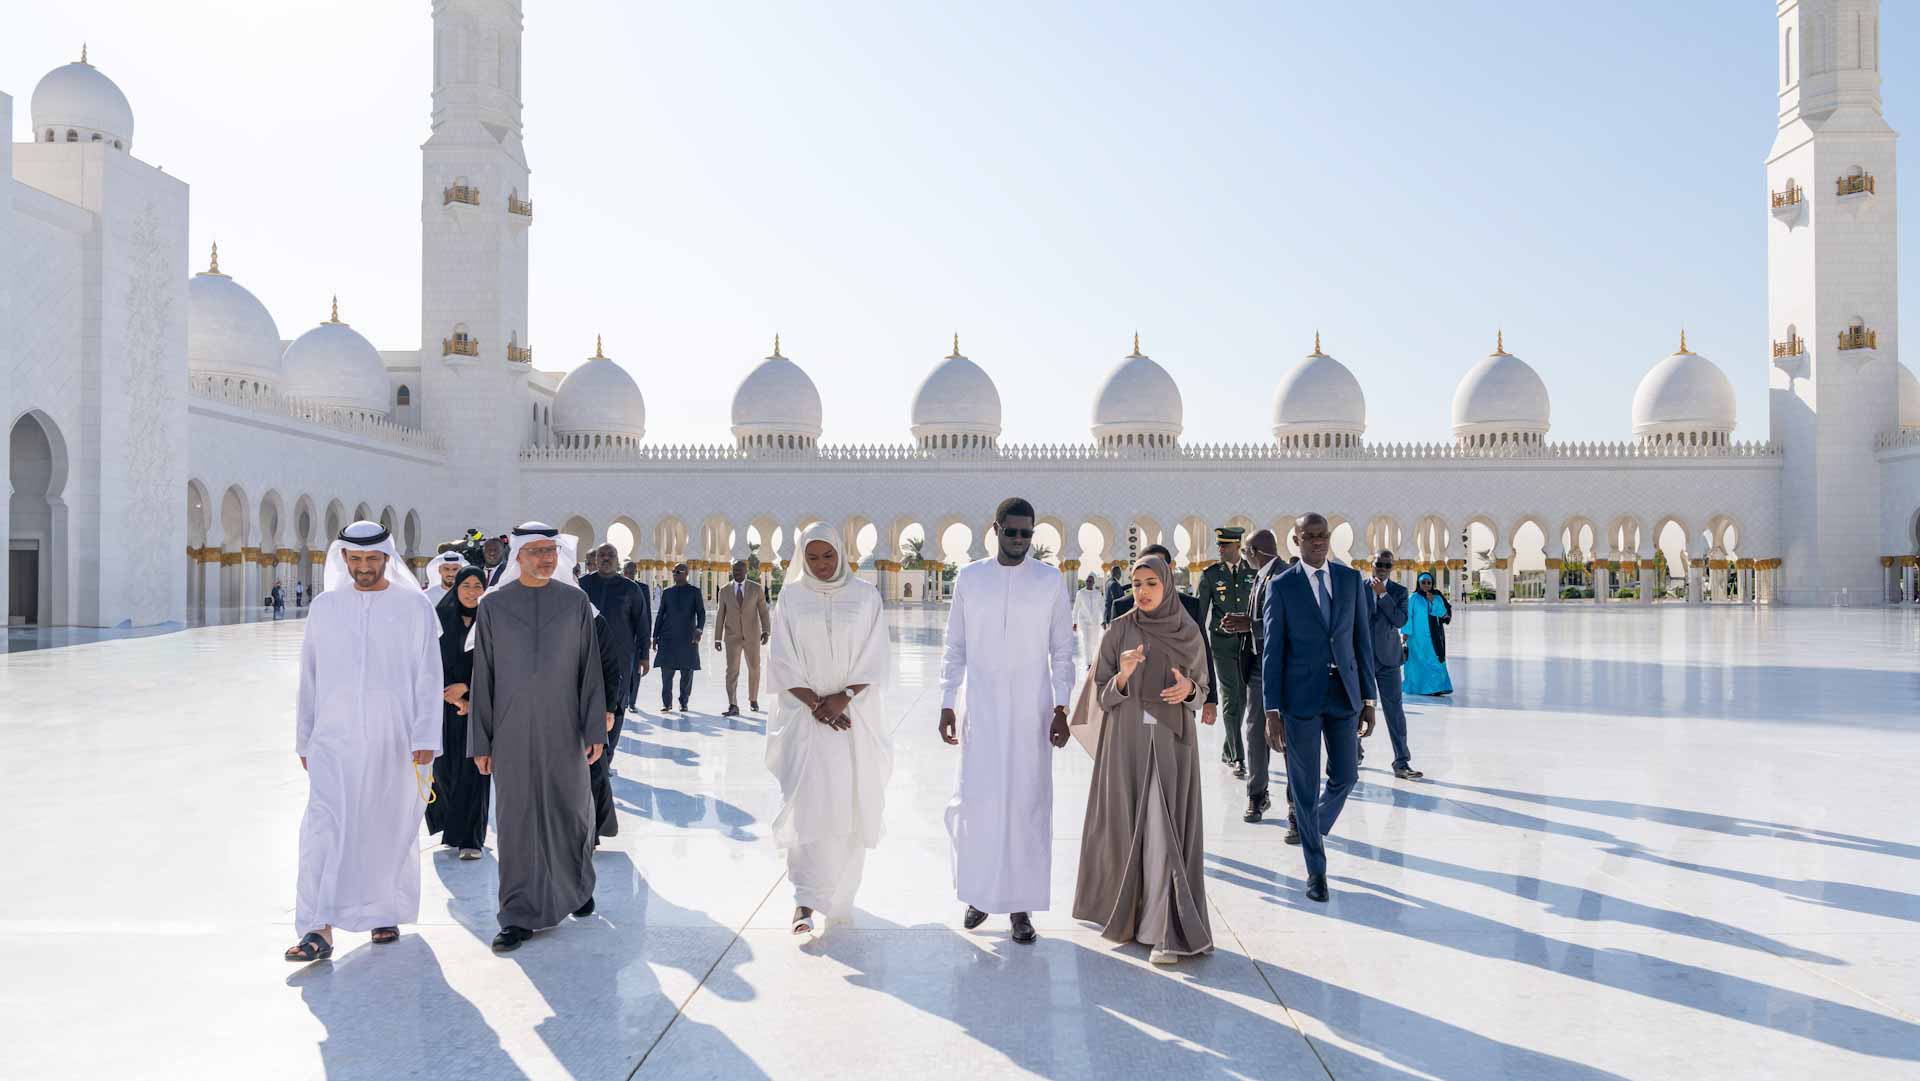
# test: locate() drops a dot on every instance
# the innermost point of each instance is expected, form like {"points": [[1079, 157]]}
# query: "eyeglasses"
{"points": [[1016, 534]]}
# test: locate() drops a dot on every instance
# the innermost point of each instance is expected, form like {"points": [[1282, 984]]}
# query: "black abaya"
{"points": [[459, 812]]}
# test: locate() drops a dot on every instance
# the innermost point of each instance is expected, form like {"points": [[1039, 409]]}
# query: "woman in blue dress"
{"points": [[1427, 617]]}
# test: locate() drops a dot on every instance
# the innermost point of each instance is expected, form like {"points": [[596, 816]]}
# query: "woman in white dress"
{"points": [[828, 742]]}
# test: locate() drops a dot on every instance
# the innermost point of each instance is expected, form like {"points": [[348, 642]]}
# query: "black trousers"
{"points": [[600, 775], [666, 686]]}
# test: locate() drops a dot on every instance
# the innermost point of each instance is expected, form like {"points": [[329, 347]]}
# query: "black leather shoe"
{"points": [[1239, 771], [1317, 888], [1293, 834], [754, 706], [730, 711], [973, 918], [510, 938], [1407, 773], [584, 911], [1023, 932], [1257, 808]]}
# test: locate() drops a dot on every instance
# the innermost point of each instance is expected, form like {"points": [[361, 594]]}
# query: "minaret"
{"points": [[475, 214], [1832, 310]]}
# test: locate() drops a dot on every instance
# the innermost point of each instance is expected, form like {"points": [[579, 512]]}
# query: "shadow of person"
{"points": [[679, 756], [687, 810], [598, 975], [1678, 983], [389, 1012]]}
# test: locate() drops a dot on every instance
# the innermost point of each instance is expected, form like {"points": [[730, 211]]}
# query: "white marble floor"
{"points": [[1661, 843]]}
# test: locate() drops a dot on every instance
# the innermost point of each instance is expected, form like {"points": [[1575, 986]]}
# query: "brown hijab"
{"points": [[1173, 640]]}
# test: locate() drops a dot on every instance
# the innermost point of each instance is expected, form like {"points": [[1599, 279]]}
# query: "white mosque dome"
{"points": [[957, 405], [1685, 398], [229, 332], [76, 97], [1909, 396], [333, 365], [1500, 400], [777, 406], [599, 400], [1138, 405], [1319, 404]]}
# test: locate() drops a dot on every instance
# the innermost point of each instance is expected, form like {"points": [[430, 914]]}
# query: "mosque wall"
{"points": [[9, 268]]}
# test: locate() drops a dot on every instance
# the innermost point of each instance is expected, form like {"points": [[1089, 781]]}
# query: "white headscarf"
{"points": [[365, 537], [803, 578]]}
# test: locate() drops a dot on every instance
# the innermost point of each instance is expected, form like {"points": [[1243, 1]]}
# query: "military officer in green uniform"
{"points": [[1224, 590]]}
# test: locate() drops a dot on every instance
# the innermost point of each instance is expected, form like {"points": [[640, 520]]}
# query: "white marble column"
{"points": [[1696, 574]]}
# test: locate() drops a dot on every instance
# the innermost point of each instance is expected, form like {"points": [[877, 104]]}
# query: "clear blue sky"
{"points": [[867, 178]]}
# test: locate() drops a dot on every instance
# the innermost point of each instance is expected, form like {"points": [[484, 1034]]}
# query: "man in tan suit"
{"points": [[744, 625]]}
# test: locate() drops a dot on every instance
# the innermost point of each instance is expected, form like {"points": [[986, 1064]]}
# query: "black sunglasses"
{"points": [[1016, 534]]}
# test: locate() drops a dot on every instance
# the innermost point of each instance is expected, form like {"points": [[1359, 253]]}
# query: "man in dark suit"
{"points": [[1317, 671], [1262, 550], [628, 613], [1387, 613]]}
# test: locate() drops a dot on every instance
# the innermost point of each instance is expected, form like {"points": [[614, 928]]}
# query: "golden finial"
{"points": [[1316, 344], [776, 347], [83, 54], [597, 354], [1683, 339], [335, 317], [213, 267], [1136, 345], [956, 344], [1500, 342]]}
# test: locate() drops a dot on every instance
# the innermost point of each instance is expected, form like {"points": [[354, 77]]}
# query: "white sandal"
{"points": [[803, 925]]}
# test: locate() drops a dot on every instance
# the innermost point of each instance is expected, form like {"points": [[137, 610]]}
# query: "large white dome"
{"points": [[600, 399], [956, 401], [1909, 396], [1138, 404], [1319, 397], [76, 97], [333, 365], [776, 405], [229, 332], [1684, 396], [1501, 400]]}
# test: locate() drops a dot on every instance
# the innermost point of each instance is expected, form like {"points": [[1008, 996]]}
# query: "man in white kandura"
{"points": [[1089, 619], [440, 572], [1010, 644], [368, 716], [828, 742]]}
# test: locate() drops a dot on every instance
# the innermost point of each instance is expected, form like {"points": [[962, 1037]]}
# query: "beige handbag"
{"points": [[1087, 718]]}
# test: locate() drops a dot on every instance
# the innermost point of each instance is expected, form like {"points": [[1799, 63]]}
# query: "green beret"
{"points": [[1228, 534]]}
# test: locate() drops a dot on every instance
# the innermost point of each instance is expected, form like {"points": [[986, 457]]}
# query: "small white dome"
{"points": [[1909, 396], [76, 97], [1684, 394], [599, 398], [776, 400], [333, 365], [1501, 397], [229, 332], [956, 398], [1138, 400], [1319, 397]]}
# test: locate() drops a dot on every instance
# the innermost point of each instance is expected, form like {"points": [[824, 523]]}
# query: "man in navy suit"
{"points": [[1317, 673], [1387, 606]]}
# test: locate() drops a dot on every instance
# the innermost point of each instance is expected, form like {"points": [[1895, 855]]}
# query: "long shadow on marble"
{"points": [[1580, 903], [1851, 896], [1624, 688], [388, 1011], [679, 756], [596, 975], [690, 811], [1736, 998], [1698, 820]]}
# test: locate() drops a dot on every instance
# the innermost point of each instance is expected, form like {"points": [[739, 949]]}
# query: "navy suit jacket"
{"points": [[1300, 644], [1387, 613]]}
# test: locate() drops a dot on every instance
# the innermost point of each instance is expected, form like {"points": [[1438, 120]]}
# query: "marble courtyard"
{"points": [[1654, 842]]}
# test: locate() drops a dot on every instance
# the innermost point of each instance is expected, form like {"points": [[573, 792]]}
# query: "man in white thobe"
{"points": [[1010, 646], [368, 715], [1089, 622], [441, 570]]}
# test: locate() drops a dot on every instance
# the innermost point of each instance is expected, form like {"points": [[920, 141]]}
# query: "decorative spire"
{"points": [[213, 265], [1316, 345], [83, 54], [956, 345], [1500, 342], [1683, 339], [335, 317], [597, 354], [1136, 346], [776, 348]]}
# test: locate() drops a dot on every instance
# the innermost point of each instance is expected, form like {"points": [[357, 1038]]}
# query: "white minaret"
{"points": [[1832, 293], [475, 213]]}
